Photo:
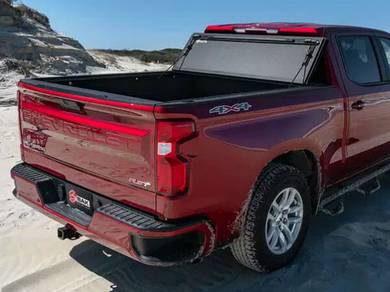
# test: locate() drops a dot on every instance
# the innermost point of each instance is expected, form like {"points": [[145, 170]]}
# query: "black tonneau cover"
{"points": [[275, 58]]}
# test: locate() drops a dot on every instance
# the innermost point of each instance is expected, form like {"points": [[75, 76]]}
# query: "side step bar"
{"points": [[369, 187], [365, 183]]}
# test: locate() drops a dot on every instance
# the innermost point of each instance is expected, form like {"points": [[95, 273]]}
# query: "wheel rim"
{"points": [[284, 221]]}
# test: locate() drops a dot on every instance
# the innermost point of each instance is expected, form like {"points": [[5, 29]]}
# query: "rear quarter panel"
{"points": [[230, 151]]}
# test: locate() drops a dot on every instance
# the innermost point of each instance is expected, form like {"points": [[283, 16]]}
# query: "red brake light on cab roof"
{"points": [[298, 30], [263, 28], [220, 28], [172, 168]]}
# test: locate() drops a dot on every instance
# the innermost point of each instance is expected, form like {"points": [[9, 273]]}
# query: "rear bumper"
{"points": [[134, 233]]}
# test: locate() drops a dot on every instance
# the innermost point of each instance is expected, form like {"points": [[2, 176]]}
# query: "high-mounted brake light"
{"points": [[220, 28], [262, 28], [172, 168], [298, 30]]}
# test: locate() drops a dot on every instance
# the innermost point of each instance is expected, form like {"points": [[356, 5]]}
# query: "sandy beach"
{"points": [[349, 252]]}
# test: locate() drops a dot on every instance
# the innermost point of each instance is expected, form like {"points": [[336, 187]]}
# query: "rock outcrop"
{"points": [[27, 39]]}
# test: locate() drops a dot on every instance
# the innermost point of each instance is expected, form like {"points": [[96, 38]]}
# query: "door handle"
{"points": [[358, 105]]}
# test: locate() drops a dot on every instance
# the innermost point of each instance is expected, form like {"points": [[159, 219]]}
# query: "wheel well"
{"points": [[307, 163]]}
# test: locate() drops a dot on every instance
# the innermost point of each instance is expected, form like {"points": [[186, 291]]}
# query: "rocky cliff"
{"points": [[28, 42]]}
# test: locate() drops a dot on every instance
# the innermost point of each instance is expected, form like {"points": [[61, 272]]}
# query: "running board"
{"points": [[370, 187], [334, 208], [354, 184]]}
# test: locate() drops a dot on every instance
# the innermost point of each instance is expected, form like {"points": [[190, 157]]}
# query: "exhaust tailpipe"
{"points": [[67, 233]]}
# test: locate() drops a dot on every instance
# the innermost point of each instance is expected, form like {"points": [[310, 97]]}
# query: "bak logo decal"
{"points": [[74, 198], [225, 109]]}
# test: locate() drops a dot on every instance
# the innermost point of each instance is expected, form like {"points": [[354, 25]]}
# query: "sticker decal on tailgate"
{"points": [[34, 139]]}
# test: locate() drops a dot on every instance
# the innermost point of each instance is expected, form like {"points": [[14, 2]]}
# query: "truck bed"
{"points": [[156, 87]]}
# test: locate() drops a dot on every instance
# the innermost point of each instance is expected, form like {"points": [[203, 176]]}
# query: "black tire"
{"points": [[251, 248]]}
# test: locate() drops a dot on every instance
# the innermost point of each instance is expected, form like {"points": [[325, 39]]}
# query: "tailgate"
{"points": [[107, 139]]}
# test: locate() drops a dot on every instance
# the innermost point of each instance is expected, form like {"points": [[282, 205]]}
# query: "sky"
{"points": [[153, 24]]}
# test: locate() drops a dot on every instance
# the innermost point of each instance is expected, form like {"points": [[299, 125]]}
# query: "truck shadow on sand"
{"points": [[349, 252]]}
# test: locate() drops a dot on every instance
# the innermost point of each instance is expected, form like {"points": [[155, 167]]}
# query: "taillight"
{"points": [[172, 168]]}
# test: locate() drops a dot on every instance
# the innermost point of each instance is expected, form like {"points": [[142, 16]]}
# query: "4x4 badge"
{"points": [[225, 109]]}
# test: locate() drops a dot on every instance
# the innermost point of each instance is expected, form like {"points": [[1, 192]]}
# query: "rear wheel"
{"points": [[276, 221]]}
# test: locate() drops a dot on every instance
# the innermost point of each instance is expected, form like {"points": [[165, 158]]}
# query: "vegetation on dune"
{"points": [[165, 56]]}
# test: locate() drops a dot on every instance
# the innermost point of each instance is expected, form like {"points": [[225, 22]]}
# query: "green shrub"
{"points": [[165, 56]]}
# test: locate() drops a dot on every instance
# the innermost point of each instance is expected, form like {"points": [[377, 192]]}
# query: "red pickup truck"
{"points": [[256, 128]]}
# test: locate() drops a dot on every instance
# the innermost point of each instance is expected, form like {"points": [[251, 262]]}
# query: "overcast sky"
{"points": [[152, 24]]}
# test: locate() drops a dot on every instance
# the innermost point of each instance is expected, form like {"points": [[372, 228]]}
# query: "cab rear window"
{"points": [[359, 59]]}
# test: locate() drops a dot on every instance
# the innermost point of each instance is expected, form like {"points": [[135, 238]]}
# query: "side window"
{"points": [[386, 49], [359, 59]]}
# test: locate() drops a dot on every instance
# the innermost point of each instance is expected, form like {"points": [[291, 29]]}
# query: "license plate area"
{"points": [[79, 198]]}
